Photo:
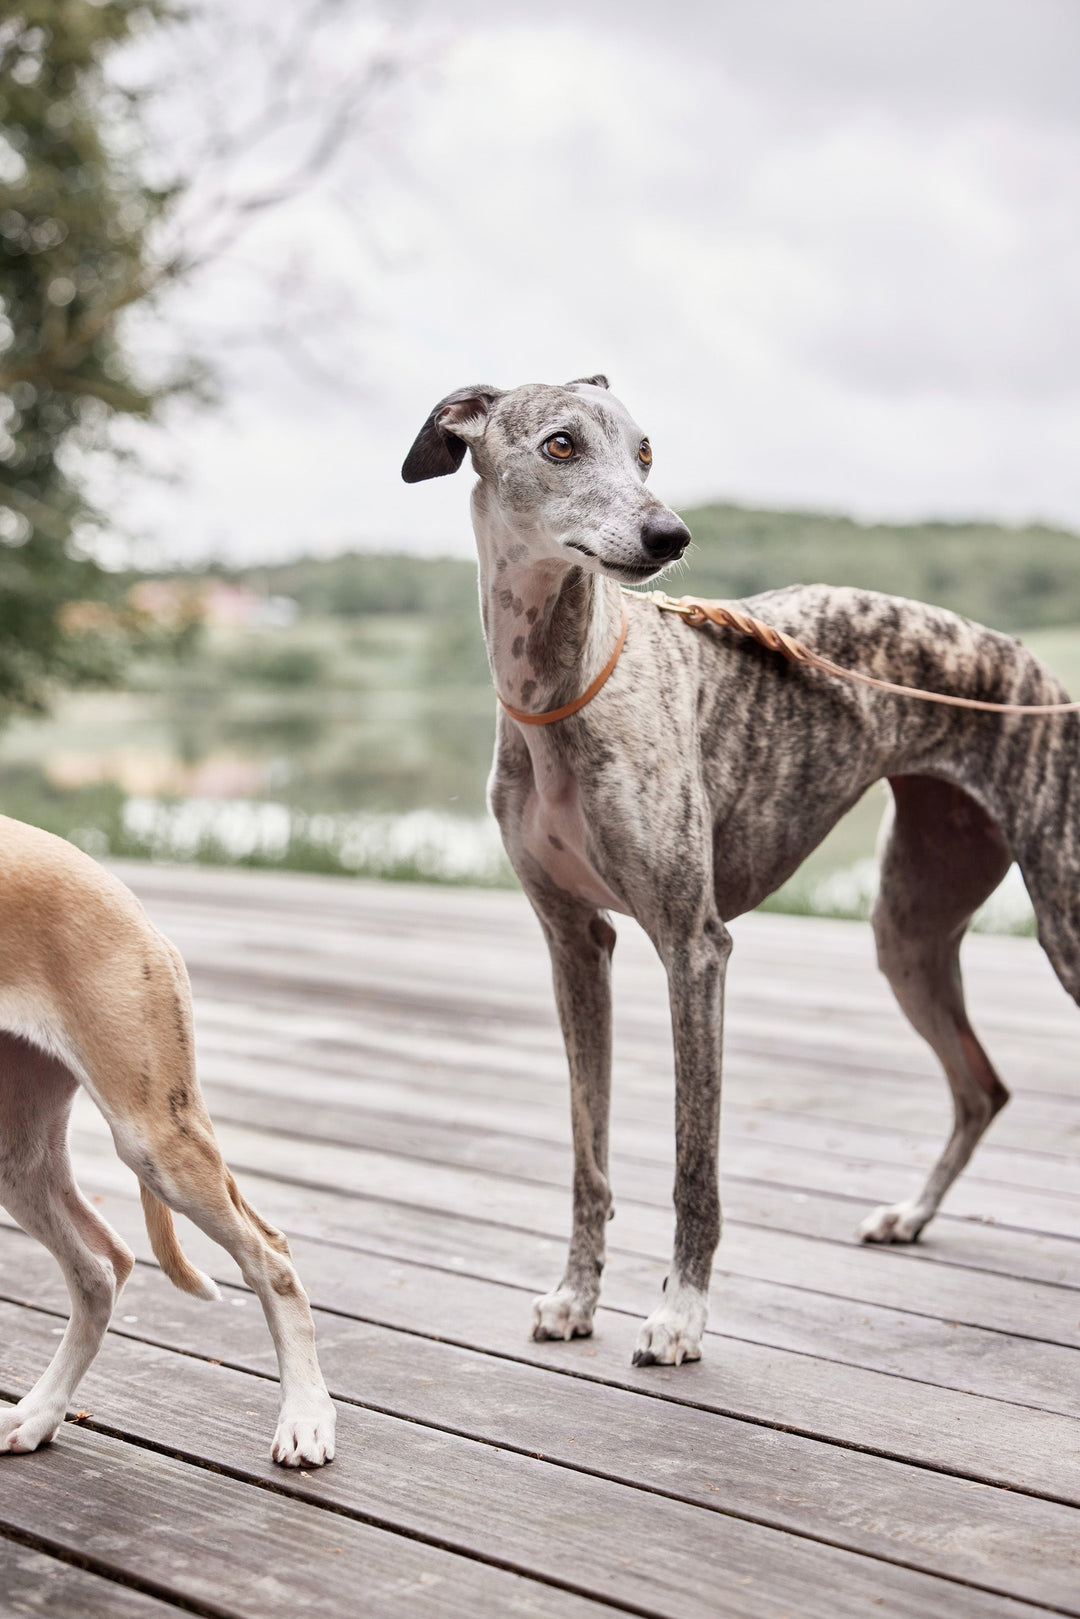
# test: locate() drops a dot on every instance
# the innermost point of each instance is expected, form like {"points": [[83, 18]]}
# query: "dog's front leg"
{"points": [[581, 939], [696, 971]]}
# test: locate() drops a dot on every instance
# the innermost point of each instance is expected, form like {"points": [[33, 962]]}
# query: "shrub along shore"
{"points": [[335, 714]]}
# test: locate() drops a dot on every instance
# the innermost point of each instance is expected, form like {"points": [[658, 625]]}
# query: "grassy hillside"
{"points": [[1012, 578]]}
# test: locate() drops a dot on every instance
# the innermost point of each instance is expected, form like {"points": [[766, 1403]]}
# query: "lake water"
{"points": [[382, 777]]}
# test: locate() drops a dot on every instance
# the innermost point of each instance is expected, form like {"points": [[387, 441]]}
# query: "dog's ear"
{"points": [[599, 381], [439, 447]]}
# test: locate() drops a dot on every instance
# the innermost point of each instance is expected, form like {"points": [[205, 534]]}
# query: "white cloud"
{"points": [[828, 252]]}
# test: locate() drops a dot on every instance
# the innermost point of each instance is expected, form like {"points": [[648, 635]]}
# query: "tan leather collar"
{"points": [[587, 695]]}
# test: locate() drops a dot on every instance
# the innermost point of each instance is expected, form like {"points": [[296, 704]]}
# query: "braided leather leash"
{"points": [[697, 612], [692, 610]]}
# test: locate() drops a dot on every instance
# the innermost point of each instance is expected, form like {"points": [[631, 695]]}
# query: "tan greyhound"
{"points": [[92, 994]]}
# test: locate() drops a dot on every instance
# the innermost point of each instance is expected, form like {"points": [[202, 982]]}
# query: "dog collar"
{"points": [[553, 714]]}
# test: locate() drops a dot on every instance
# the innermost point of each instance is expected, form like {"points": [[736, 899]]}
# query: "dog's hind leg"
{"points": [[185, 1170], [39, 1191], [581, 939], [1050, 862], [149, 1092], [943, 856]]}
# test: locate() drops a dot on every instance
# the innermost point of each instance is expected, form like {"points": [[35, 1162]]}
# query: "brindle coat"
{"points": [[704, 772]]}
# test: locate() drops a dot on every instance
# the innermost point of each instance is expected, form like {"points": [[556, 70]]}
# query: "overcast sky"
{"points": [[827, 250]]}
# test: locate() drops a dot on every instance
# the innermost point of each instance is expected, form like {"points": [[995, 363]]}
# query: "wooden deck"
{"points": [[890, 1432]]}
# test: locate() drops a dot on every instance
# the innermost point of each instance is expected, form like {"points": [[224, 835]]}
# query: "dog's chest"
{"points": [[552, 830]]}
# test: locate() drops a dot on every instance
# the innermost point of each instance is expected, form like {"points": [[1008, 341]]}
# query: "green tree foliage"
{"points": [[83, 238], [74, 216], [1010, 578], [360, 582]]}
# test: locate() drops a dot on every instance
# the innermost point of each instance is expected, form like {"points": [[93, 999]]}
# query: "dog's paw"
{"points": [[561, 1315], [895, 1222], [26, 1426], [305, 1434], [673, 1332]]}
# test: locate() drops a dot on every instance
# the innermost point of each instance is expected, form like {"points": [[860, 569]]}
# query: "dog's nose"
{"points": [[664, 536]]}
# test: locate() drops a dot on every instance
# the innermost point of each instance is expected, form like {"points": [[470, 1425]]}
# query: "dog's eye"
{"points": [[644, 453], [560, 447]]}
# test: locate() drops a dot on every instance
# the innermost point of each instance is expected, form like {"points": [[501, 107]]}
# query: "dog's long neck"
{"points": [[549, 625]]}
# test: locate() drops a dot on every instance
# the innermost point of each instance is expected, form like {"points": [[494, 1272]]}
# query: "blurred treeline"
{"points": [[1011, 578], [371, 582]]}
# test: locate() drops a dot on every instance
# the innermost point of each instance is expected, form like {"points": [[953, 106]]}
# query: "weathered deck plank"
{"points": [[1019, 1306], [258, 1552], [634, 1479], [871, 1431], [806, 1189], [505, 1135], [40, 1585], [932, 1347], [513, 1403], [1017, 1447]]}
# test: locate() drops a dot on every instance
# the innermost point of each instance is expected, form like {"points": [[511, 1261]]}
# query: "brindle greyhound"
{"points": [[705, 770]]}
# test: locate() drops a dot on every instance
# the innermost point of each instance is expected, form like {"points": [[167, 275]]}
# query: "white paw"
{"points": [[561, 1314], [896, 1222], [25, 1426], [673, 1332], [305, 1434]]}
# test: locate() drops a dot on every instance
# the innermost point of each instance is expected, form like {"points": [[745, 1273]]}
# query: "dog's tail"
{"points": [[168, 1252]]}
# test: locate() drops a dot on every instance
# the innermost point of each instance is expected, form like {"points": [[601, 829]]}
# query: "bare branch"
{"points": [[225, 215], [213, 208]]}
